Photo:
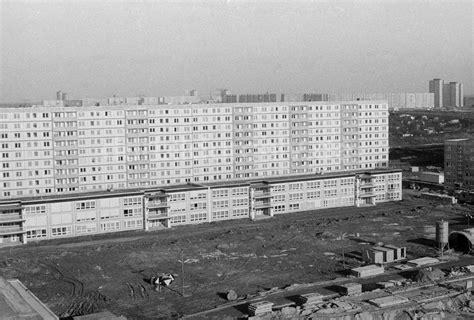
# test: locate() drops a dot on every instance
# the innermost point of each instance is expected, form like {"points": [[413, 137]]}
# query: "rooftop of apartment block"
{"points": [[258, 182]]}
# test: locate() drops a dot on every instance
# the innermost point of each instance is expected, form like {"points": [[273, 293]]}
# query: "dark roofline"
{"points": [[192, 186]]}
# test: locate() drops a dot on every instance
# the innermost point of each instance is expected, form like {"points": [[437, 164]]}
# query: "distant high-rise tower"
{"points": [[436, 87], [453, 94], [59, 95], [447, 94]]}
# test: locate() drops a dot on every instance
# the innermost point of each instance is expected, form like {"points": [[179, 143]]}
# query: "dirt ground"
{"points": [[112, 271]]}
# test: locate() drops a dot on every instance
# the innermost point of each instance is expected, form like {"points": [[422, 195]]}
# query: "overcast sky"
{"points": [[129, 48]]}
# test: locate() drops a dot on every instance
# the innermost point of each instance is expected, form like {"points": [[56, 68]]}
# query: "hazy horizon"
{"points": [[97, 49]]}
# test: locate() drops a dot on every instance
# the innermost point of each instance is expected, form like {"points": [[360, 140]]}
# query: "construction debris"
{"points": [[310, 299], [422, 262], [163, 280], [388, 301], [351, 288], [231, 295], [367, 271], [260, 308]]}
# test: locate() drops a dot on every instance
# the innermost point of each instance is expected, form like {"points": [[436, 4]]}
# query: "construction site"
{"points": [[396, 259]]}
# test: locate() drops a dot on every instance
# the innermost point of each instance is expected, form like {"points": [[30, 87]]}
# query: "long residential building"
{"points": [[75, 170], [52, 217], [60, 150], [395, 101]]}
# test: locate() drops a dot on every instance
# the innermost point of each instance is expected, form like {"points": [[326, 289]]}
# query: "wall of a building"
{"points": [[459, 164], [61, 150], [105, 213]]}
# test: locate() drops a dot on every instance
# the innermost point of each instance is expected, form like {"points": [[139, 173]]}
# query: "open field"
{"points": [[112, 271]]}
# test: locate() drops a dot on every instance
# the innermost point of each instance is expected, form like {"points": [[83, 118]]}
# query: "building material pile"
{"points": [[310, 299], [367, 271], [388, 301], [259, 308], [422, 262], [350, 288], [384, 254]]}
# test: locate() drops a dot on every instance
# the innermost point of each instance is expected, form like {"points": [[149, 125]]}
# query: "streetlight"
{"points": [[182, 270]]}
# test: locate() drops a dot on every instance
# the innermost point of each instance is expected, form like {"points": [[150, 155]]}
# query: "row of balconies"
{"points": [[11, 230]]}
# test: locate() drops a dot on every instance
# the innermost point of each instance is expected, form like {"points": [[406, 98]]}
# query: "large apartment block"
{"points": [[52, 217], [75, 170], [459, 164], [66, 150]]}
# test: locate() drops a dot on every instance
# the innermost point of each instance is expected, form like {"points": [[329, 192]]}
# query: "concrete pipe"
{"points": [[461, 241]]}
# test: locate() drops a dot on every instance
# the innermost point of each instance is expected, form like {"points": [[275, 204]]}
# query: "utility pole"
{"points": [[182, 273], [343, 257]]}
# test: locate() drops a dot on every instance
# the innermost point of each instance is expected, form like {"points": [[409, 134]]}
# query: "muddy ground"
{"points": [[89, 274]]}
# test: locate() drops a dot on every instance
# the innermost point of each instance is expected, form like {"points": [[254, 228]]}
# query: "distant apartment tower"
{"points": [[62, 96], [453, 94], [436, 87], [459, 164], [447, 94]]}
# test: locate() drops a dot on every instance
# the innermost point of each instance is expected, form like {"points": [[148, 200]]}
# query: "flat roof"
{"points": [[367, 268], [53, 108], [17, 303], [193, 186]]}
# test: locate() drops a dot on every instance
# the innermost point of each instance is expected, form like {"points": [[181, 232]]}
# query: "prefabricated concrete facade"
{"points": [[154, 209]]}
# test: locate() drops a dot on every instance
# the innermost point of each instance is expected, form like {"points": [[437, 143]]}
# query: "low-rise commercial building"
{"points": [[51, 217]]}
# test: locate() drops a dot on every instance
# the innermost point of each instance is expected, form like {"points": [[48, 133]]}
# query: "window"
{"points": [[240, 202], [112, 225], [132, 224], [279, 208], [194, 217], [177, 197], [313, 194], [132, 201], [220, 215], [178, 219], [294, 206], [37, 233], [239, 191], [313, 184], [241, 212], [60, 231], [220, 204], [279, 188], [132, 212], [220, 193], [34, 209], [85, 205], [198, 206], [89, 228], [296, 196]]}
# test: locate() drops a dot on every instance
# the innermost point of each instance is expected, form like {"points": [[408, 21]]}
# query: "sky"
{"points": [[152, 48]]}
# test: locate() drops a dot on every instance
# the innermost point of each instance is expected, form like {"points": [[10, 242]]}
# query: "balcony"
{"points": [[366, 194], [367, 185], [157, 205], [262, 205], [11, 230], [158, 216], [10, 207], [14, 217], [262, 195]]}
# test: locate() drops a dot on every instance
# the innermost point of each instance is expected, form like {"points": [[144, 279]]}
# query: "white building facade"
{"points": [[66, 150], [52, 217], [68, 171]]}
